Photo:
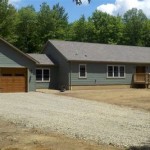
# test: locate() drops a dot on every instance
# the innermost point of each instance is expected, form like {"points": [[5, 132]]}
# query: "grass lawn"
{"points": [[135, 98]]}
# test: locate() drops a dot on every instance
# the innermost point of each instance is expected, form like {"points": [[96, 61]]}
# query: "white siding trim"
{"points": [[43, 74], [113, 77]]}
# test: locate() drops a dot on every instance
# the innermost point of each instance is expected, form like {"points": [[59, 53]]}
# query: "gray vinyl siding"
{"points": [[31, 79], [53, 79], [68, 56], [97, 74], [10, 58], [148, 68], [61, 62]]}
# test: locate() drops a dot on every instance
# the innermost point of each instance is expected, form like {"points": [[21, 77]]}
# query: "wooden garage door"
{"points": [[13, 80]]}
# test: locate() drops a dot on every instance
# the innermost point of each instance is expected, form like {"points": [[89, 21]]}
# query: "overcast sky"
{"points": [[113, 7]]}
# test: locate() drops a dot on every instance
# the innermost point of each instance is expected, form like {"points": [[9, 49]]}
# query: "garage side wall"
{"points": [[10, 58], [31, 79]]}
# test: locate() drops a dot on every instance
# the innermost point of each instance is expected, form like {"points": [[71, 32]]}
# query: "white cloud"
{"points": [[121, 6], [85, 2]]}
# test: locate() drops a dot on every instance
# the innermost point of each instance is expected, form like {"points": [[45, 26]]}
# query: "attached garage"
{"points": [[13, 80], [17, 69]]}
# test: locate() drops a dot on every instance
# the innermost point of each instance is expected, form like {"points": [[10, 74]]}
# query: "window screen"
{"points": [[82, 71], [46, 74], [38, 74]]}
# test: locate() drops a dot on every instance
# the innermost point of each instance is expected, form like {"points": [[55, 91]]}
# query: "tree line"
{"points": [[29, 29]]}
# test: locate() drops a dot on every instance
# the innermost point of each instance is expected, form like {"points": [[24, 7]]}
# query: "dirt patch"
{"points": [[15, 137], [135, 98], [75, 118]]}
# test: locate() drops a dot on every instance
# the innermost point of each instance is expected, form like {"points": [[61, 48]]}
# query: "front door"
{"points": [[140, 69]]}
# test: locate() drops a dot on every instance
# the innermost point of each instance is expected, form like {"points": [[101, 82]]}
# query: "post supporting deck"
{"points": [[142, 79]]}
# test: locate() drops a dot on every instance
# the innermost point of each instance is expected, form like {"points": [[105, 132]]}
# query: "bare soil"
{"points": [[16, 137], [134, 98]]}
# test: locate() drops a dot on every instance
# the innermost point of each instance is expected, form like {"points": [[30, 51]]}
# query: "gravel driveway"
{"points": [[78, 118]]}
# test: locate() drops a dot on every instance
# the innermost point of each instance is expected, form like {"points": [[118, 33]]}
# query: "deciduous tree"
{"points": [[46, 23], [27, 29], [108, 28], [8, 21], [61, 21], [133, 20]]}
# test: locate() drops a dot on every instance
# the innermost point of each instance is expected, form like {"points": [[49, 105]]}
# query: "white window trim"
{"points": [[113, 77], [43, 74], [81, 77]]}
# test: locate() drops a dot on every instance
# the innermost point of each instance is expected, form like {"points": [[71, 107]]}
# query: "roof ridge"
{"points": [[96, 43]]}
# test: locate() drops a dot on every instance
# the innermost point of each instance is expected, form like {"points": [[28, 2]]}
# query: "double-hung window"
{"points": [[116, 71], [82, 71], [42, 75]]}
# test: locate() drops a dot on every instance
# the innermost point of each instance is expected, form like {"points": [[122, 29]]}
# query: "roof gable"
{"points": [[18, 51]]}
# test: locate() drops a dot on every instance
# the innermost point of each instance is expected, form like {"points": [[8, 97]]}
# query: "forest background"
{"points": [[29, 29]]}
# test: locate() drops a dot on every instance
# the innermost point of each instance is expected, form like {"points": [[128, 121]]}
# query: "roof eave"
{"points": [[90, 61], [46, 64]]}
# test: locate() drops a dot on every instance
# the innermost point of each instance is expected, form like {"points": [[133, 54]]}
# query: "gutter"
{"points": [[70, 84], [116, 62]]}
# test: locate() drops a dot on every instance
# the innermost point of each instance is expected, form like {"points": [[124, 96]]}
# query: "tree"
{"points": [[90, 31], [78, 28], [108, 28], [60, 18], [82, 30], [79, 2], [146, 34], [46, 23], [27, 29], [133, 20], [8, 21]]}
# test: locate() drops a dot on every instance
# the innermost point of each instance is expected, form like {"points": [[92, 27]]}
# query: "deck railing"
{"points": [[143, 78]]}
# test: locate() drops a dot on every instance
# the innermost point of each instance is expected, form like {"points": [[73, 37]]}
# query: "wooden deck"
{"points": [[142, 78]]}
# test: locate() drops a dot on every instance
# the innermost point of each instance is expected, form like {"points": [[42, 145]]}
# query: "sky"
{"points": [[112, 7]]}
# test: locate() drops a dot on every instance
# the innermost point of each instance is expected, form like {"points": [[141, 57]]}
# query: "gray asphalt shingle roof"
{"points": [[79, 51], [42, 59]]}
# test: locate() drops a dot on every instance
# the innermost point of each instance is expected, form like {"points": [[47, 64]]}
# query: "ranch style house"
{"points": [[72, 65]]}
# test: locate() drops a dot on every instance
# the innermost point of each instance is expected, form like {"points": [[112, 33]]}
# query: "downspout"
{"points": [[70, 76]]}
